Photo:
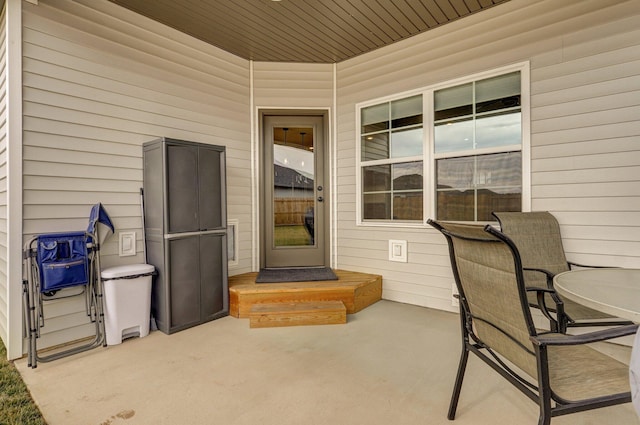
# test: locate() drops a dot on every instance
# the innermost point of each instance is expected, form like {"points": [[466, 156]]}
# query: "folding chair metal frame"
{"points": [[56, 261]]}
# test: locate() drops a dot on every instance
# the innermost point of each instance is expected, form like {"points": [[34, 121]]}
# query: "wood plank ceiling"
{"points": [[315, 31]]}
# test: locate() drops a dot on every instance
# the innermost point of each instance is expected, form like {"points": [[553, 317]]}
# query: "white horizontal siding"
{"points": [[98, 82], [292, 85], [585, 103], [585, 128]]}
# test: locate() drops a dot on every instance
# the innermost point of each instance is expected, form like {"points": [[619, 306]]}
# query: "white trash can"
{"points": [[127, 301]]}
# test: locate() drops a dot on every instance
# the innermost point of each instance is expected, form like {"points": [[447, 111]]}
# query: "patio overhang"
{"points": [[322, 31]]}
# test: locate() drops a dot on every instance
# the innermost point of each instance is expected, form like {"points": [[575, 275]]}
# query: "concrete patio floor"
{"points": [[390, 364]]}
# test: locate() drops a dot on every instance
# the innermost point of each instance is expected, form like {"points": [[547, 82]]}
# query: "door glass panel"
{"points": [[293, 187]]}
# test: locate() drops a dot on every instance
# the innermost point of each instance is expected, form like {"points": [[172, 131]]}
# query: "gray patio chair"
{"points": [[537, 236], [559, 371]]}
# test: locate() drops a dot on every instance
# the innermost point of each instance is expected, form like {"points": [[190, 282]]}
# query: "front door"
{"points": [[294, 194]]}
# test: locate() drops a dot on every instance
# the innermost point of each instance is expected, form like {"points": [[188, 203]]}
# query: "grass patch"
{"points": [[16, 405], [291, 236]]}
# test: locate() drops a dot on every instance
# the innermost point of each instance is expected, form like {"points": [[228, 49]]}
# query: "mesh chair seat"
{"points": [[580, 372]]}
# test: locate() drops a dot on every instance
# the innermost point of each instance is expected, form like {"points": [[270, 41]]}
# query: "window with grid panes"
{"points": [[392, 160], [477, 148], [473, 154]]}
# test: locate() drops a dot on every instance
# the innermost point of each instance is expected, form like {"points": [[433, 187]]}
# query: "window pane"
{"points": [[375, 118], [406, 143], [454, 136], [455, 173], [498, 92], [375, 146], [407, 206], [376, 178], [498, 104], [504, 169], [456, 205], [485, 182], [506, 199], [498, 130], [405, 112], [376, 206], [453, 102], [499, 170], [407, 176]]}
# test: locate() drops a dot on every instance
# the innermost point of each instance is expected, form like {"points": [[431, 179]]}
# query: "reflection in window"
{"points": [[293, 186], [453, 102], [375, 146], [377, 206], [407, 142], [399, 121], [483, 114], [498, 130], [392, 134], [470, 188], [454, 136], [478, 115], [407, 206], [376, 178], [393, 192], [474, 142]]}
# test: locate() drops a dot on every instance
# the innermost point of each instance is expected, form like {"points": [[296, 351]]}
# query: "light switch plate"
{"points": [[127, 245], [398, 250]]}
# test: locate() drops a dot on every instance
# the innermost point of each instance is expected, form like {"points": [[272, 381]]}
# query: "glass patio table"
{"points": [[610, 290]]}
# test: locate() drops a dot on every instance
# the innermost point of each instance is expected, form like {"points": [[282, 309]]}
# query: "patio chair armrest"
{"points": [[565, 339], [542, 305], [539, 289], [536, 269]]}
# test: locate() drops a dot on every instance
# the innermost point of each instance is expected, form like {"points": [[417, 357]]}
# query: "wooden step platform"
{"points": [[355, 290], [270, 315]]}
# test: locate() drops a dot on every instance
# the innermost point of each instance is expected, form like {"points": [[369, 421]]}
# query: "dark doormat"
{"points": [[298, 274]]}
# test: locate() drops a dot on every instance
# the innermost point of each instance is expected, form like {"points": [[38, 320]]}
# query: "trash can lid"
{"points": [[126, 270]]}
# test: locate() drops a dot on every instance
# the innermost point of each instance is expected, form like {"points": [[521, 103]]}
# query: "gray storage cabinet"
{"points": [[185, 222]]}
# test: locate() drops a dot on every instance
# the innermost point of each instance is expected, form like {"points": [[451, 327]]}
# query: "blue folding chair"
{"points": [[57, 261]]}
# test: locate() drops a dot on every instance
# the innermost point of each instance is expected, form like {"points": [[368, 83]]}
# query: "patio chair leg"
{"points": [[545, 417], [464, 356], [544, 387]]}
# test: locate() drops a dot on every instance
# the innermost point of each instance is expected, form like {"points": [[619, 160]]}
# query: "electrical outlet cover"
{"points": [[127, 244], [398, 251]]}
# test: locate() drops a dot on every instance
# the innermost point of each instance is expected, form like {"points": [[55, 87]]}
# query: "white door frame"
{"points": [[329, 222]]}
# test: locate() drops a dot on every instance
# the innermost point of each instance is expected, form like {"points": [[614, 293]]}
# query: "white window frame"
{"points": [[428, 156]]}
